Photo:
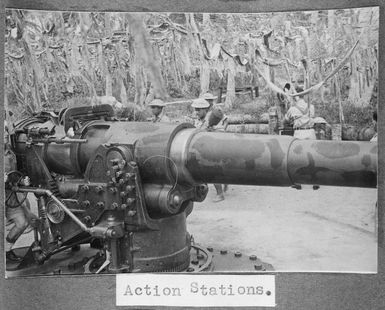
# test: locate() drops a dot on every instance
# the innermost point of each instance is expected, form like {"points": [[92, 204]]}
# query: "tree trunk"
{"points": [[354, 91], [230, 94], [205, 77], [123, 93], [144, 58], [140, 87], [206, 18], [108, 84]]}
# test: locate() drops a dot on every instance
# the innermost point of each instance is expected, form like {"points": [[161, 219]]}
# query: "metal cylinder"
{"points": [[215, 157], [336, 163]]}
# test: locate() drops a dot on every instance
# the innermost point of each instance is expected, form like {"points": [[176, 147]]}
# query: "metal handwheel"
{"points": [[14, 199]]}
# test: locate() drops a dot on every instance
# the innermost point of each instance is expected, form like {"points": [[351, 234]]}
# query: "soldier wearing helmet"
{"points": [[209, 97], [158, 115], [201, 107], [215, 111], [213, 119]]}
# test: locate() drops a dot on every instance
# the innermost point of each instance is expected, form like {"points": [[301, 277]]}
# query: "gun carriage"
{"points": [[127, 187]]}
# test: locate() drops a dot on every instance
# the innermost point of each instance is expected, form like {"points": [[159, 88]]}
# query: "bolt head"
{"points": [[131, 213], [130, 175], [99, 189], [85, 188], [258, 267], [237, 254], [123, 206], [130, 201], [130, 188]]}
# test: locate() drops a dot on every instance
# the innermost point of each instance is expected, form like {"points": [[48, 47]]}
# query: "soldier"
{"points": [[300, 115], [210, 120], [210, 98], [201, 107], [374, 138], [19, 215], [157, 106]]}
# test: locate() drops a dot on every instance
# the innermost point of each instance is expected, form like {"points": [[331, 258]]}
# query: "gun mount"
{"points": [[130, 186]]}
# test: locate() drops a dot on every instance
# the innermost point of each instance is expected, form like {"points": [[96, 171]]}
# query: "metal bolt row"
{"points": [[224, 252], [118, 179]]}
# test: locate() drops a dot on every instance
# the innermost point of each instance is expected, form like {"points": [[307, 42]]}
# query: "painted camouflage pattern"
{"points": [[280, 160]]}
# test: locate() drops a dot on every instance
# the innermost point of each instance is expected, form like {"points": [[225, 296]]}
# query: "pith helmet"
{"points": [[208, 96], [156, 103], [200, 103]]}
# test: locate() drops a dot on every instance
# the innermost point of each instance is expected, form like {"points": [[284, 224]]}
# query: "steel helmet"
{"points": [[208, 96], [156, 103], [200, 103]]}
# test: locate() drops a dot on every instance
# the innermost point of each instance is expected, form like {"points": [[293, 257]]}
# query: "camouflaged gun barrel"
{"points": [[170, 153], [250, 159]]}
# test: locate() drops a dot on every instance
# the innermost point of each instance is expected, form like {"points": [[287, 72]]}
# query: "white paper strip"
{"points": [[195, 290]]}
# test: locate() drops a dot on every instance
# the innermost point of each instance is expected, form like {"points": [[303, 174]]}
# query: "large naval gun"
{"points": [[126, 188]]}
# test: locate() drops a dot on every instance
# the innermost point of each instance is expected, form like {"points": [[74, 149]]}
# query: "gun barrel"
{"points": [[215, 157], [170, 153]]}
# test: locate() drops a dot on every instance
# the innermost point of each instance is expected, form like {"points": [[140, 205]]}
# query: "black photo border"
{"points": [[293, 290]]}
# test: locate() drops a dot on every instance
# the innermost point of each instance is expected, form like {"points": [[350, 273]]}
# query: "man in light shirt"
{"points": [[158, 115], [301, 115], [204, 120]]}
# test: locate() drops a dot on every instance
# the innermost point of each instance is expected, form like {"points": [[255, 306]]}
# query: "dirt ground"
{"points": [[330, 229]]}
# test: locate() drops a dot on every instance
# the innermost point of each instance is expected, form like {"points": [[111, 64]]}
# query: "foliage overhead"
{"points": [[53, 57]]}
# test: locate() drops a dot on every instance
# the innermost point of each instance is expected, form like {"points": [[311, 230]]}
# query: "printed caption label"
{"points": [[195, 290]]}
